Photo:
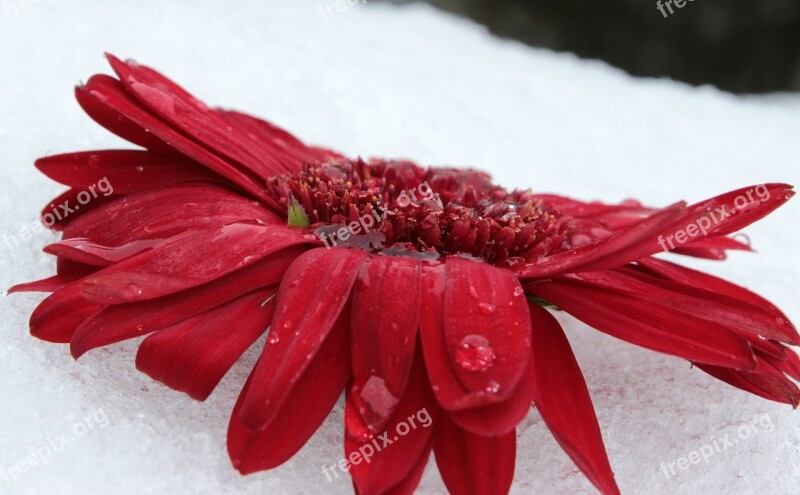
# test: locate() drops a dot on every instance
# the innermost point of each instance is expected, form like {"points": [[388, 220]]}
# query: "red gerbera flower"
{"points": [[413, 290]]}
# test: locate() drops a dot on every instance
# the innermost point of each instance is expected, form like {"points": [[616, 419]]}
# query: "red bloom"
{"points": [[410, 289]]}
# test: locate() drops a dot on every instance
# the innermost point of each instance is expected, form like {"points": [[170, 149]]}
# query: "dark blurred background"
{"points": [[743, 46]]}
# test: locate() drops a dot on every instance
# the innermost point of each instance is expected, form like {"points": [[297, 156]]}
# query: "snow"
{"points": [[397, 82]]}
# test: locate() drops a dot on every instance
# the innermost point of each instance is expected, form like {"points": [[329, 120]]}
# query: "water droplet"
{"points": [[475, 353], [287, 325], [373, 404], [139, 327], [273, 337], [487, 308], [743, 238], [140, 168], [378, 396], [518, 291], [492, 387], [134, 290], [579, 240]]}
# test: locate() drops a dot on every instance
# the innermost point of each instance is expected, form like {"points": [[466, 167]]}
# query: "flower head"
{"points": [[420, 293]]}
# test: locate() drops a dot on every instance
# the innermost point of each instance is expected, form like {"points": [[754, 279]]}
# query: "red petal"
{"points": [[190, 261], [756, 202], [443, 379], [694, 278], [65, 209], [696, 215], [446, 385], [654, 233], [68, 272], [126, 321], [49, 284], [732, 313], [765, 382], [472, 464], [409, 485], [127, 171], [86, 252], [311, 297], [314, 393], [486, 329], [384, 464], [223, 136], [271, 135], [638, 237], [57, 317], [195, 354], [103, 97], [496, 419], [714, 249], [563, 400], [165, 212], [385, 319], [95, 105], [648, 325]]}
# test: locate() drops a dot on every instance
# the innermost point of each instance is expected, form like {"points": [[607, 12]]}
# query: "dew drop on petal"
{"points": [[273, 338], [378, 397], [579, 240], [374, 403], [487, 308], [287, 325], [140, 168], [134, 290], [475, 353], [492, 387], [518, 291]]}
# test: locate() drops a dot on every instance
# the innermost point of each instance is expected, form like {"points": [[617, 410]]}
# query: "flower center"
{"points": [[381, 205]]}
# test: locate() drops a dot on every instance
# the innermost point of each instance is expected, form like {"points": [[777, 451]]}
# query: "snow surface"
{"points": [[396, 82]]}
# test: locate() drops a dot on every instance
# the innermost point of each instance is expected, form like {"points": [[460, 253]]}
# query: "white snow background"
{"points": [[379, 80]]}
